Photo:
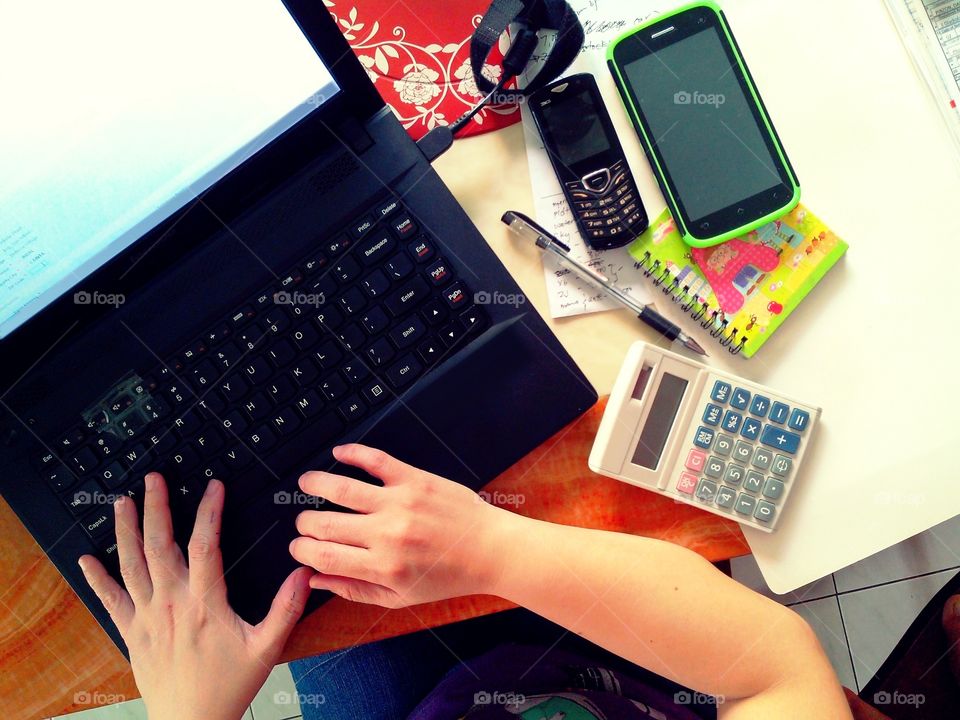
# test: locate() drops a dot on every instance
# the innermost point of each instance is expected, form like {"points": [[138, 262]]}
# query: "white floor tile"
{"points": [[931, 551], [277, 699], [877, 617], [824, 617], [130, 710], [746, 572]]}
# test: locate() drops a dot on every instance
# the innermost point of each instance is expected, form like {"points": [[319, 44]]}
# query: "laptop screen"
{"points": [[117, 113]]}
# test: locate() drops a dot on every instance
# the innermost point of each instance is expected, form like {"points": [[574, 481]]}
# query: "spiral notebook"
{"points": [[742, 290]]}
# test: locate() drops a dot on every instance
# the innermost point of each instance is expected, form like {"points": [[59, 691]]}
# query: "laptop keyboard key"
{"points": [[421, 250], [286, 421], [404, 227], [236, 458], [375, 321], [404, 372], [83, 498], [234, 388], [376, 283], [281, 389], [375, 248], [59, 477], [329, 317], [407, 297], [352, 301], [282, 353], [308, 404], [456, 296], [352, 409], [434, 311], [333, 387], [352, 336], [261, 439], [380, 352], [355, 371], [375, 393], [303, 372], [256, 371], [347, 269], [439, 273], [398, 267], [257, 406], [83, 460], [328, 355], [407, 333], [112, 475], [430, 351], [305, 336]]}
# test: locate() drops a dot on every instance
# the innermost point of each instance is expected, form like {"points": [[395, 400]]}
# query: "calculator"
{"points": [[704, 437]]}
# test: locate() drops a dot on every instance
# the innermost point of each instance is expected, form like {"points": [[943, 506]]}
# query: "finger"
{"points": [[287, 607], [203, 550], [115, 599], [375, 462], [340, 490], [339, 527], [164, 559], [356, 590], [335, 559], [133, 565]]}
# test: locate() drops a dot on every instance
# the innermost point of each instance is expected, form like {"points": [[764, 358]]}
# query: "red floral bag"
{"points": [[418, 56]]}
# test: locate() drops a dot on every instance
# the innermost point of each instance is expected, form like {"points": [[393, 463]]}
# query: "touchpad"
{"points": [[485, 408]]}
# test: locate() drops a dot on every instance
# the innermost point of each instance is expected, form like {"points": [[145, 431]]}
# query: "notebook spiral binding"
{"points": [[716, 322]]}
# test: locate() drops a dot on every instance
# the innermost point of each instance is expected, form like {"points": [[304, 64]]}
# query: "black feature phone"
{"points": [[589, 161]]}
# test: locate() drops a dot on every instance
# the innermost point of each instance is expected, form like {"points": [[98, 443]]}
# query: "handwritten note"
{"points": [[602, 20]]}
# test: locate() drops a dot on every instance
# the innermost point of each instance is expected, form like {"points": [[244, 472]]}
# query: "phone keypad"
{"points": [[606, 212]]}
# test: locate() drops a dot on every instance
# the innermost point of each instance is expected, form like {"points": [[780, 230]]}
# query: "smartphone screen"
{"points": [[713, 147]]}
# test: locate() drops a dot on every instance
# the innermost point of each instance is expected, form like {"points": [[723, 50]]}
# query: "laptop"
{"points": [[223, 255]]}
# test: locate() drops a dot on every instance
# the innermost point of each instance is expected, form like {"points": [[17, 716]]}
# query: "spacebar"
{"points": [[320, 434]]}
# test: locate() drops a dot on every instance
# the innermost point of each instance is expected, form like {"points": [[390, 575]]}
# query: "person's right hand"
{"points": [[418, 538]]}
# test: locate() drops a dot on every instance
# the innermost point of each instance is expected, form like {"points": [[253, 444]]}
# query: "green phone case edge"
{"points": [[687, 236]]}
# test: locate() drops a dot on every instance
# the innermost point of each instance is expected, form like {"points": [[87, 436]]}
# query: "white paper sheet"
{"points": [[603, 20]]}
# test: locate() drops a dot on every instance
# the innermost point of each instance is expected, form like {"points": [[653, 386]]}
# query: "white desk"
{"points": [[876, 163]]}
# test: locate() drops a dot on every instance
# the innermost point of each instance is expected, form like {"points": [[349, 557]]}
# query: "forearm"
{"points": [[660, 606]]}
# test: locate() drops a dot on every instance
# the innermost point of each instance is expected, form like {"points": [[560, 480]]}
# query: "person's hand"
{"points": [[418, 538], [192, 656]]}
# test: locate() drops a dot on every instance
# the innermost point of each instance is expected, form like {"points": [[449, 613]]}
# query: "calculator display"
{"points": [[659, 423]]}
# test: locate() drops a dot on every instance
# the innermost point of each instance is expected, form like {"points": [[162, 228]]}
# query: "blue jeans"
{"points": [[386, 680]]}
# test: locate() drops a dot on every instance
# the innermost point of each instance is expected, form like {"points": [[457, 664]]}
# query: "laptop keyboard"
{"points": [[341, 334]]}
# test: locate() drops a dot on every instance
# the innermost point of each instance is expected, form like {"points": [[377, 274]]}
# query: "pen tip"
{"points": [[693, 345]]}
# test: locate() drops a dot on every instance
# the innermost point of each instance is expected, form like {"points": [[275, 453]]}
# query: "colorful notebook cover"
{"points": [[742, 290]]}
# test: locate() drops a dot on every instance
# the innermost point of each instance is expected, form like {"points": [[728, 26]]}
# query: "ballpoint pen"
{"points": [[528, 229]]}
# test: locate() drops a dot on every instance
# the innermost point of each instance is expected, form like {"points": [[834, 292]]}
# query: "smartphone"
{"points": [[702, 124], [589, 162]]}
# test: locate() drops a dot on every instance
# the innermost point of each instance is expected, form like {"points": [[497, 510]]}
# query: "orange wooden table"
{"points": [[55, 659]]}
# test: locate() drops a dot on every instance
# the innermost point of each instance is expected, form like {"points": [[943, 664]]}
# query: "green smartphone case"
{"points": [[685, 232]]}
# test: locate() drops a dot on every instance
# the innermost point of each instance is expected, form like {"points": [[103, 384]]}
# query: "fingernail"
{"points": [[213, 487], [150, 480], [119, 501]]}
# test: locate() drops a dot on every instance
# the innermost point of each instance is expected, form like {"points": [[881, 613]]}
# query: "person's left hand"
{"points": [[192, 656]]}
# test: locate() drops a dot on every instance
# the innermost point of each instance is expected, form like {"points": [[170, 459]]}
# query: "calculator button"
{"points": [[721, 392], [765, 511], [753, 482], [740, 399], [798, 420], [745, 504], [779, 413], [782, 440], [762, 459], [726, 497], [696, 461], [750, 429], [781, 465], [724, 445], [706, 491], [687, 483], [714, 468], [734, 475], [731, 421], [760, 406], [711, 416], [772, 489], [704, 437], [743, 451]]}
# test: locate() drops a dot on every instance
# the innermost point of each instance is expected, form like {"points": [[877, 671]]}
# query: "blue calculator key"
{"points": [[750, 429], [799, 419], [721, 392], [760, 406], [740, 399], [779, 413], [731, 421], [780, 439], [711, 416], [703, 438]]}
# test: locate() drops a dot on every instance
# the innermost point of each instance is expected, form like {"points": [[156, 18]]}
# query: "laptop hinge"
{"points": [[354, 135]]}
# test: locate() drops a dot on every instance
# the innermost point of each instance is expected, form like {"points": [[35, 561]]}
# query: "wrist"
{"points": [[500, 550]]}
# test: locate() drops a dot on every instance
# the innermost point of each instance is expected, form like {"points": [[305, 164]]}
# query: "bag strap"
{"points": [[532, 15]]}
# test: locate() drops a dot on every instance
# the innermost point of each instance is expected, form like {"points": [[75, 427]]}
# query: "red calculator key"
{"points": [[696, 460], [687, 484]]}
